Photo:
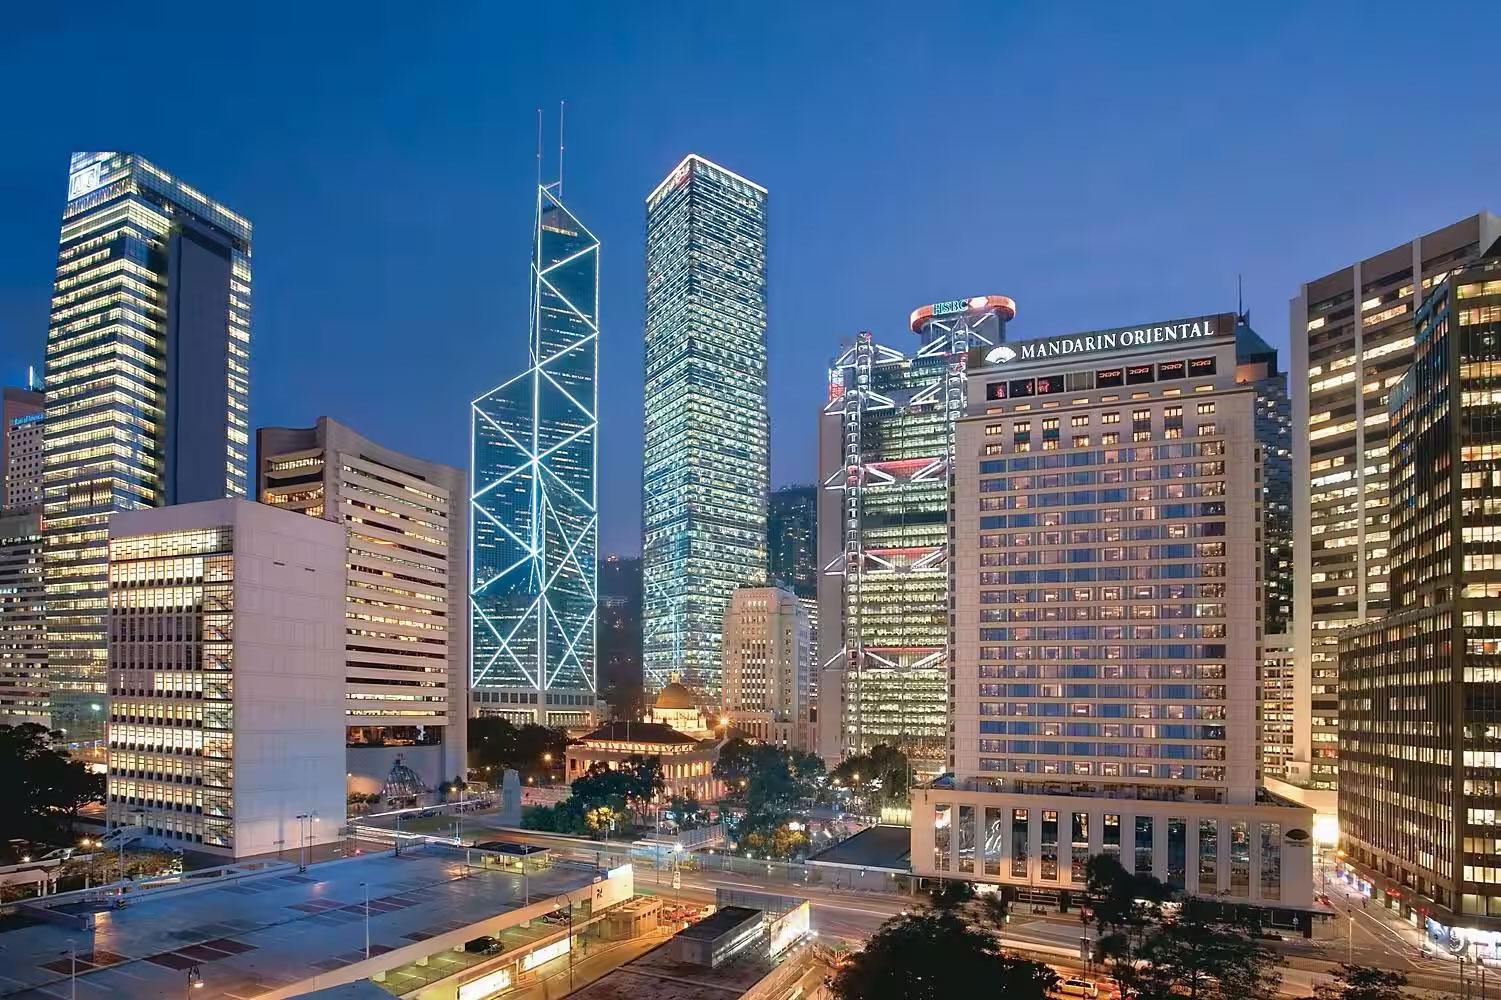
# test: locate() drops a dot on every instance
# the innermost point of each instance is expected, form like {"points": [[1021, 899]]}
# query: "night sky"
{"points": [[1102, 165]]}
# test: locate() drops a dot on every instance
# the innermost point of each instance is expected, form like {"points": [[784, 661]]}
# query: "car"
{"points": [[483, 945], [428, 813], [1078, 988], [1271, 936]]}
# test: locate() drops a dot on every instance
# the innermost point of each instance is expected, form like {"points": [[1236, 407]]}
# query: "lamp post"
{"points": [[195, 979], [73, 970], [301, 839], [366, 887]]}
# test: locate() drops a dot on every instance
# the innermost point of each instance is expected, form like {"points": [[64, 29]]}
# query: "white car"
{"points": [[1078, 988]]}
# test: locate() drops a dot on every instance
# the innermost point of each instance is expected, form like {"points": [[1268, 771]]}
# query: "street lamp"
{"points": [[366, 887], [195, 979]]}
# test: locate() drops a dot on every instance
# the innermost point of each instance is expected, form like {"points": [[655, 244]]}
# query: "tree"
{"points": [[880, 776], [531, 750], [1195, 950], [42, 788], [601, 819], [736, 763], [953, 894], [935, 955], [687, 812], [1360, 982]]}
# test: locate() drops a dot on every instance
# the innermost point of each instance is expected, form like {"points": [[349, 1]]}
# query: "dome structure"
{"points": [[675, 695]]}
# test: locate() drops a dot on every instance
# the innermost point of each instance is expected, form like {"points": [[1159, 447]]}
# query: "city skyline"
{"points": [[1109, 127]]}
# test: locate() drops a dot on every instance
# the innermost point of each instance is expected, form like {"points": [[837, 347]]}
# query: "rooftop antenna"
{"points": [[1240, 298], [539, 147], [562, 105]]}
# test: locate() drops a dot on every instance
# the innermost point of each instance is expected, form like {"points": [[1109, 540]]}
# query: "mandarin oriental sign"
{"points": [[1105, 341]]}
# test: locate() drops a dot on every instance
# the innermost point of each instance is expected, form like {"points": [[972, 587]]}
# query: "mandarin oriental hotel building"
{"points": [[1106, 582]]}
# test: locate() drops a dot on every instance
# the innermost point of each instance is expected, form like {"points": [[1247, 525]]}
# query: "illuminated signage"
{"points": [[1171, 369], [1112, 340], [486, 986], [1201, 366], [950, 307], [995, 390], [30, 418], [1110, 378], [546, 953], [86, 180], [1137, 374]]}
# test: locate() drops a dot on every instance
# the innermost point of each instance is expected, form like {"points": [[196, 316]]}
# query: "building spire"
{"points": [[562, 105]]}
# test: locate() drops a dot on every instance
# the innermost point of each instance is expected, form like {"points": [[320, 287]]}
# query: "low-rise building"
{"points": [[687, 763]]}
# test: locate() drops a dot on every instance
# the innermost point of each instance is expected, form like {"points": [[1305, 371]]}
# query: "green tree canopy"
{"points": [[1360, 982], [880, 775], [42, 788], [636, 781], [500, 744], [935, 955]]}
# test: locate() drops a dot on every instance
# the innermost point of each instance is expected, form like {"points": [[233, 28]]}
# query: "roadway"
{"points": [[1361, 934]]}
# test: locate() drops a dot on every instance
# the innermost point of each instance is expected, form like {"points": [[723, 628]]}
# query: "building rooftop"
{"points": [[722, 920], [675, 695], [883, 847], [659, 976], [639, 732], [272, 931]]}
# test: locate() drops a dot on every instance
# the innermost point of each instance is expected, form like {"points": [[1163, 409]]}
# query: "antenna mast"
{"points": [[562, 105], [539, 147]]}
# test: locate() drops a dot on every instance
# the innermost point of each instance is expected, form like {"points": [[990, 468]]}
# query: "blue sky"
{"points": [[1101, 164]]}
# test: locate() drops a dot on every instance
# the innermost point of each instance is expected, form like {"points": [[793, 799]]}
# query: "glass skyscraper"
{"points": [[534, 523], [707, 453], [147, 388]]}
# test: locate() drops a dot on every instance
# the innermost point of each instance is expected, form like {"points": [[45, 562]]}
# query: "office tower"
{"points": [[792, 539], [535, 527], [707, 443], [620, 635], [147, 390], [226, 621], [1106, 624], [1420, 776], [767, 664], [1256, 364], [885, 444], [405, 643], [1276, 727], [21, 413], [23, 630], [1352, 336]]}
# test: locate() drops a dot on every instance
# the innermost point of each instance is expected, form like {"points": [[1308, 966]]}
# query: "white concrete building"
{"points": [[1106, 572], [767, 665], [406, 645], [226, 677]]}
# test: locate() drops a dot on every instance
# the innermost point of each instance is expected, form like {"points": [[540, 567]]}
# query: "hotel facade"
{"points": [[1107, 577]]}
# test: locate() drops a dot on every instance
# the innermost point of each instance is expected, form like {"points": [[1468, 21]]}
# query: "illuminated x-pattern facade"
{"points": [[884, 536], [535, 525], [706, 468]]}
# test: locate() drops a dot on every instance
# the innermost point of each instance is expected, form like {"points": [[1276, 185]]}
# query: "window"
{"points": [[1110, 418], [1079, 420], [1208, 429], [1080, 441], [1205, 408]]}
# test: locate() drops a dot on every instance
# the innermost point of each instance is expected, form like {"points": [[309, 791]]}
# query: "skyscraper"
{"points": [[23, 630], [534, 523], [406, 630], [1351, 334], [148, 384], [620, 635], [1106, 624], [885, 445], [792, 539], [707, 445], [1420, 775], [21, 449]]}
